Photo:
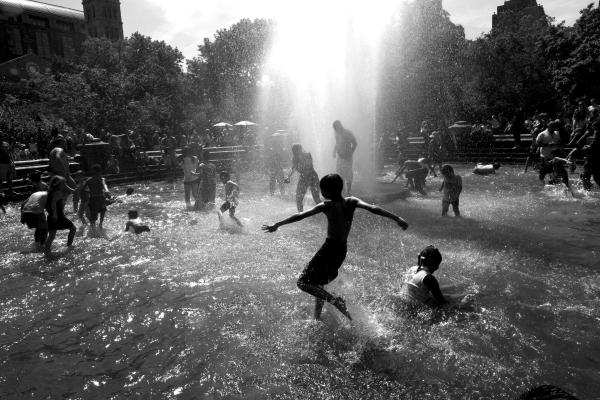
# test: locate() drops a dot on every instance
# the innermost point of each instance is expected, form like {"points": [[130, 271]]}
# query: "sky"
{"points": [[185, 23]]}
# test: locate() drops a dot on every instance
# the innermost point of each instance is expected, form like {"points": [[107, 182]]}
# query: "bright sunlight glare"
{"points": [[314, 37]]}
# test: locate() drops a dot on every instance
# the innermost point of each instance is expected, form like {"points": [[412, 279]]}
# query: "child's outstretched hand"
{"points": [[269, 228]]}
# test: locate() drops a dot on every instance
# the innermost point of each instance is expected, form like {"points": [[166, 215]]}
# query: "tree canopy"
{"points": [[428, 70]]}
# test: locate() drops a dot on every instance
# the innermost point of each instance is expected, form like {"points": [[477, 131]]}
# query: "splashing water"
{"points": [[192, 311], [323, 67]]}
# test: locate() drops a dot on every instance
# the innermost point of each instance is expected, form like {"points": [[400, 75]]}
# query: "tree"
{"points": [[421, 68], [229, 68], [573, 55]]}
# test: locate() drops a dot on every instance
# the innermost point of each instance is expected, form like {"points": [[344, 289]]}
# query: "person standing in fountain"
{"points": [[58, 162], [191, 179], [303, 163], [96, 186], [345, 146], [208, 181], [452, 187], [232, 192], [55, 206], [323, 268]]}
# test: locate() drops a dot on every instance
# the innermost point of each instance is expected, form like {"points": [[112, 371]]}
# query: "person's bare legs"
{"points": [[314, 190], [301, 189], [102, 213], [49, 240], [233, 217], [321, 294], [72, 232], [455, 209]]}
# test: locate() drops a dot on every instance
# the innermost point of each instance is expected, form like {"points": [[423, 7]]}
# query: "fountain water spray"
{"points": [[323, 67]]}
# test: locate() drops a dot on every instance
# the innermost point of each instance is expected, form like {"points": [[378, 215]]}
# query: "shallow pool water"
{"points": [[193, 311]]}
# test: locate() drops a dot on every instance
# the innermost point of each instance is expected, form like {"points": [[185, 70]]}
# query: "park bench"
{"points": [[225, 158]]}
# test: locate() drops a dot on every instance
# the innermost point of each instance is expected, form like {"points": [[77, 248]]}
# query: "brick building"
{"points": [[519, 15], [44, 30]]}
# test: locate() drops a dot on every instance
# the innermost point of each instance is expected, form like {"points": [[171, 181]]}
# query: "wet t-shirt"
{"points": [[36, 203], [413, 288]]}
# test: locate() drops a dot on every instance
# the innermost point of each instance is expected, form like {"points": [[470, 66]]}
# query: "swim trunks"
{"points": [[32, 220], [323, 268]]}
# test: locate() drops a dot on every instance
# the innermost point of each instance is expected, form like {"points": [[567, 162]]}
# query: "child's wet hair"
{"points": [[447, 170], [224, 175], [129, 191], [296, 147], [430, 256], [132, 214], [332, 185]]}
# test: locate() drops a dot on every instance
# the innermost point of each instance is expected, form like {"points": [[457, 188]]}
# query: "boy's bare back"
{"points": [[340, 215]]}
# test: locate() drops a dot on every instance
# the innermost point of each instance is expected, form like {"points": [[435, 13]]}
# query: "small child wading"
{"points": [[232, 191], [452, 187], [323, 268], [96, 186]]}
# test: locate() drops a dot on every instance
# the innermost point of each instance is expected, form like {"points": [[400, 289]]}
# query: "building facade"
{"points": [[519, 15], [29, 27]]}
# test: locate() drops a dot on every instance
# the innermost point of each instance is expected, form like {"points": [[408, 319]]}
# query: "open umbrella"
{"points": [[245, 123], [460, 125], [222, 125]]}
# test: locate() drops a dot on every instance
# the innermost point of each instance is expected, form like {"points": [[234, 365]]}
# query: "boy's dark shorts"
{"points": [[227, 206], [323, 268], [61, 223], [32, 220], [97, 205]]}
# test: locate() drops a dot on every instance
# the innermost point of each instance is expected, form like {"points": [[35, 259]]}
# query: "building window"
{"points": [[37, 21], [42, 43], [65, 26], [14, 41]]}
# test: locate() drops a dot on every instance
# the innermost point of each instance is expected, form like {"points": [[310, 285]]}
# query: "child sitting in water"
{"points": [[486, 169], [134, 225], [419, 283], [232, 192], [421, 287], [452, 187], [323, 268]]}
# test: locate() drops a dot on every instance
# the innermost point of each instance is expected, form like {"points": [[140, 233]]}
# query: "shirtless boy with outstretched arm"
{"points": [[323, 268]]}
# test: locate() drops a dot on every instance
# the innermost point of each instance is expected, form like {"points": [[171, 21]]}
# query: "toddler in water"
{"points": [[232, 191], [452, 187], [134, 225], [419, 283], [421, 287]]}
